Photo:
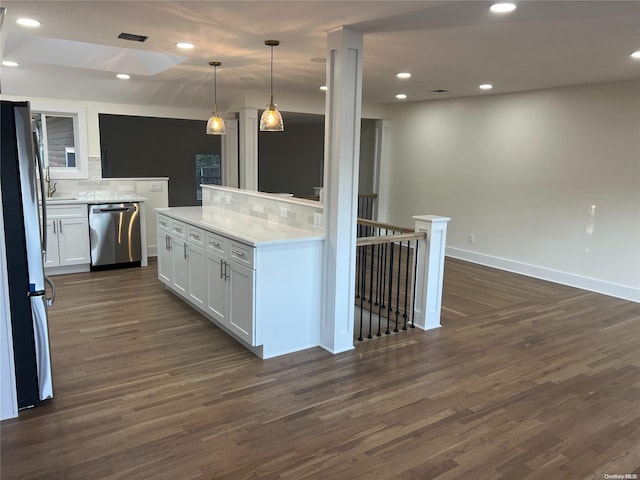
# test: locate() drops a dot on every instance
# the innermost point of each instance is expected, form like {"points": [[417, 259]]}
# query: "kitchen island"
{"points": [[250, 263]]}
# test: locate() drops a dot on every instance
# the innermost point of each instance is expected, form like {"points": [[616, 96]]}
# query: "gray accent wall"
{"points": [[134, 147]]}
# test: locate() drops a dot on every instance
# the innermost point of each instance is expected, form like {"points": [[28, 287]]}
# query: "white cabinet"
{"points": [[165, 269], [267, 295], [240, 301], [67, 238], [181, 262], [216, 287]]}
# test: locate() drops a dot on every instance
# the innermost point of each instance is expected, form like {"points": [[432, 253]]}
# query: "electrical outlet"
{"points": [[156, 187], [471, 238], [258, 207], [283, 212], [227, 199], [317, 220]]}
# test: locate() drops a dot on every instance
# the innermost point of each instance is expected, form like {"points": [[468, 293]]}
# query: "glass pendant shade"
{"points": [[271, 120], [215, 125]]}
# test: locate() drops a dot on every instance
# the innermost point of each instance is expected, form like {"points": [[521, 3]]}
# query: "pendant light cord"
{"points": [[271, 104], [215, 89]]}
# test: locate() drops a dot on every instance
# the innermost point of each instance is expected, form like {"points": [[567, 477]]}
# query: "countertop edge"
{"points": [[170, 212]]}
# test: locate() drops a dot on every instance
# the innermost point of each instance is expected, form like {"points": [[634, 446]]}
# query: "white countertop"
{"points": [[93, 201], [243, 228]]}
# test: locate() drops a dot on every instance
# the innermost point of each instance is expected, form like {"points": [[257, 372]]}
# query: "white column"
{"points": [[230, 154], [342, 152], [249, 149], [381, 170], [430, 272]]}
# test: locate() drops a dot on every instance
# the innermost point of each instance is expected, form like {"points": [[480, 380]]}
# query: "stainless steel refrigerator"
{"points": [[21, 187]]}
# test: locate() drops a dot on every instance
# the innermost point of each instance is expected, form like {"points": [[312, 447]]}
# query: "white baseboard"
{"points": [[556, 276]]}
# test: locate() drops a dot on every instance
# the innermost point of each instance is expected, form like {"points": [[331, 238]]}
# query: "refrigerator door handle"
{"points": [[43, 194], [52, 285]]}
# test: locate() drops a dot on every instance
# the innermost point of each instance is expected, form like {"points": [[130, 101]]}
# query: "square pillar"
{"points": [[430, 271], [342, 153], [248, 149]]}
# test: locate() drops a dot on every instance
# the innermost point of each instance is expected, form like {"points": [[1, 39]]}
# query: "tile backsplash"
{"points": [[285, 210]]}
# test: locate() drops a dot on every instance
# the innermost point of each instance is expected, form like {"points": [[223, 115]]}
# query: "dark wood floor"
{"points": [[526, 380]]}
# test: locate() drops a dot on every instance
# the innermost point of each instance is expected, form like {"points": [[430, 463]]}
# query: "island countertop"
{"points": [[243, 228]]}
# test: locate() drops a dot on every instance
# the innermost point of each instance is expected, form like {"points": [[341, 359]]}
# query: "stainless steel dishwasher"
{"points": [[115, 234]]}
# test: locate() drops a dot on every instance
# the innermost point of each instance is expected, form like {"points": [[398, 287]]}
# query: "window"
{"points": [[62, 131], [208, 171]]}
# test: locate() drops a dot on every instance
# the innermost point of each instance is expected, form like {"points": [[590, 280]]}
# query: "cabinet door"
{"points": [[241, 301], [74, 241], [52, 258], [180, 266], [216, 288], [165, 269], [197, 275]]}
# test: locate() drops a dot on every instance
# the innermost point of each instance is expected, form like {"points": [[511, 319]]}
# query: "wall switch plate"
{"points": [[227, 199], [317, 220], [471, 238], [283, 212], [156, 187], [258, 207]]}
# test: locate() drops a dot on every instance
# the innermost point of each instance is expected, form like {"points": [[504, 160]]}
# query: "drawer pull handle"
{"points": [[197, 237], [240, 254]]}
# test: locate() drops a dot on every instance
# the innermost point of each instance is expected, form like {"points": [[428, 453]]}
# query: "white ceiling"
{"points": [[453, 45]]}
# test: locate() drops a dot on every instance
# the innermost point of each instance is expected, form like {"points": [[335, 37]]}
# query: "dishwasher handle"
{"points": [[113, 209]]}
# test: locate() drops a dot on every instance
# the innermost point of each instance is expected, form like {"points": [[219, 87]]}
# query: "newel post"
{"points": [[430, 270]]}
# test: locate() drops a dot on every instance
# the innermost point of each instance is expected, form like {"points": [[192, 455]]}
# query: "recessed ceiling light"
{"points": [[28, 22], [9, 63], [403, 75], [502, 7], [636, 54], [184, 45], [123, 76], [485, 86], [401, 96], [323, 88]]}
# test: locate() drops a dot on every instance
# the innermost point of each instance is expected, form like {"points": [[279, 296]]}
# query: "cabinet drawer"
{"points": [[217, 243], [195, 235], [179, 229], [63, 211], [164, 222], [242, 253]]}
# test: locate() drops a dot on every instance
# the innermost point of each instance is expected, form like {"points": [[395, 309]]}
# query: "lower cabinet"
{"points": [[67, 230], [219, 277], [165, 261], [230, 289], [240, 301]]}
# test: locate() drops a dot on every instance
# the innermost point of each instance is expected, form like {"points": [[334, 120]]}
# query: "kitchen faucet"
{"points": [[50, 190]]}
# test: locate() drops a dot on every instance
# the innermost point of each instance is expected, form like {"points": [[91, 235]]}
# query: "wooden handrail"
{"points": [[400, 237], [387, 226]]}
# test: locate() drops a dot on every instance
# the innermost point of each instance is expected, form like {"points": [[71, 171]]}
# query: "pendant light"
{"points": [[215, 125], [271, 119]]}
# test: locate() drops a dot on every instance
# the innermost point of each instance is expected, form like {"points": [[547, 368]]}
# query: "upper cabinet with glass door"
{"points": [[63, 139]]}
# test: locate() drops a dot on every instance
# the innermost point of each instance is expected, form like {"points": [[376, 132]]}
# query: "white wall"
{"points": [[548, 181]]}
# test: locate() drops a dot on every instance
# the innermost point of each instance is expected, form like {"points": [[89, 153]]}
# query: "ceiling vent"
{"points": [[133, 37]]}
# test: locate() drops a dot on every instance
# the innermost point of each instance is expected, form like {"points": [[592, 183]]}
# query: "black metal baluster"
{"points": [[398, 287], [389, 310], [406, 286], [362, 279], [382, 292], [373, 249], [415, 274]]}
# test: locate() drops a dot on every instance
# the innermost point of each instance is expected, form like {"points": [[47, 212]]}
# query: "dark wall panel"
{"points": [[156, 147], [291, 161]]}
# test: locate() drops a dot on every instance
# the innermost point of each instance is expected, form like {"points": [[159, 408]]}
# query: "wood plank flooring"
{"points": [[525, 380]]}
